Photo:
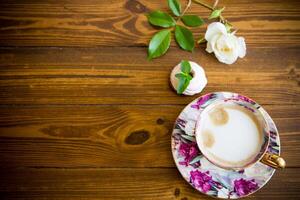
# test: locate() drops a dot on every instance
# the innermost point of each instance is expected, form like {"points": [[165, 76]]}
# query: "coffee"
{"points": [[230, 135]]}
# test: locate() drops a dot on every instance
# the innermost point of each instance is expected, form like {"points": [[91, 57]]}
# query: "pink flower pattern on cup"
{"points": [[243, 187], [201, 180], [189, 151], [202, 100]]}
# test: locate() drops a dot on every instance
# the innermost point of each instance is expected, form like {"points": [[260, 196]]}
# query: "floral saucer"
{"points": [[202, 174]]}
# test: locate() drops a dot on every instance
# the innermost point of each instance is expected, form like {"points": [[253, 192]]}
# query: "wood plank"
{"points": [[123, 23], [124, 76], [101, 136], [146, 184]]}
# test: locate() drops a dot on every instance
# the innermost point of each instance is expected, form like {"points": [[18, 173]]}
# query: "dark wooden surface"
{"points": [[84, 115]]}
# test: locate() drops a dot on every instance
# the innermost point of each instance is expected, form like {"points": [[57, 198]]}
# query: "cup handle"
{"points": [[273, 160]]}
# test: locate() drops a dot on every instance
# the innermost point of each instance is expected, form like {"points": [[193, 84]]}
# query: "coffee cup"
{"points": [[233, 134]]}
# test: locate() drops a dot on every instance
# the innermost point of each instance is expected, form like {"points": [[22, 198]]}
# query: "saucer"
{"points": [[202, 174]]}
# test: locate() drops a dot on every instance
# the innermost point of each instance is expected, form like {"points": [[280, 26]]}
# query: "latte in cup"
{"points": [[230, 135]]}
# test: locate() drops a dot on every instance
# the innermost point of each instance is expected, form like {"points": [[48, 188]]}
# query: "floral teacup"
{"points": [[207, 177], [236, 134]]}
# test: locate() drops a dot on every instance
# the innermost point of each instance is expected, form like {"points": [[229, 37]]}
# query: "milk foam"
{"points": [[234, 143]]}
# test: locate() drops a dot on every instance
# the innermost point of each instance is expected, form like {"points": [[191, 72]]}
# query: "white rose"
{"points": [[226, 46]]}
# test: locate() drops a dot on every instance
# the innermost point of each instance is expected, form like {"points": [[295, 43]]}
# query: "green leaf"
{"points": [[185, 66], [182, 84], [189, 77], [180, 75], [162, 19], [216, 13], [184, 38], [192, 20], [186, 83], [159, 44], [175, 7]]}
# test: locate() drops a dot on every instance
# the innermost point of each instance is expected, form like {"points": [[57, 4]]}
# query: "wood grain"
{"points": [[83, 115], [123, 23], [123, 76], [109, 136], [145, 184]]}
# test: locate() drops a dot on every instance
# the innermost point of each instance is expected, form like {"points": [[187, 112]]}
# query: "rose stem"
{"points": [[187, 7], [203, 4]]}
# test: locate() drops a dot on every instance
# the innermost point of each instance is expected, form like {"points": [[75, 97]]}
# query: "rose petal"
{"points": [[227, 41], [213, 29], [209, 47], [213, 42]]}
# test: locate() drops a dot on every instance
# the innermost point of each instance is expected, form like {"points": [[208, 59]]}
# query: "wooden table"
{"points": [[84, 115]]}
